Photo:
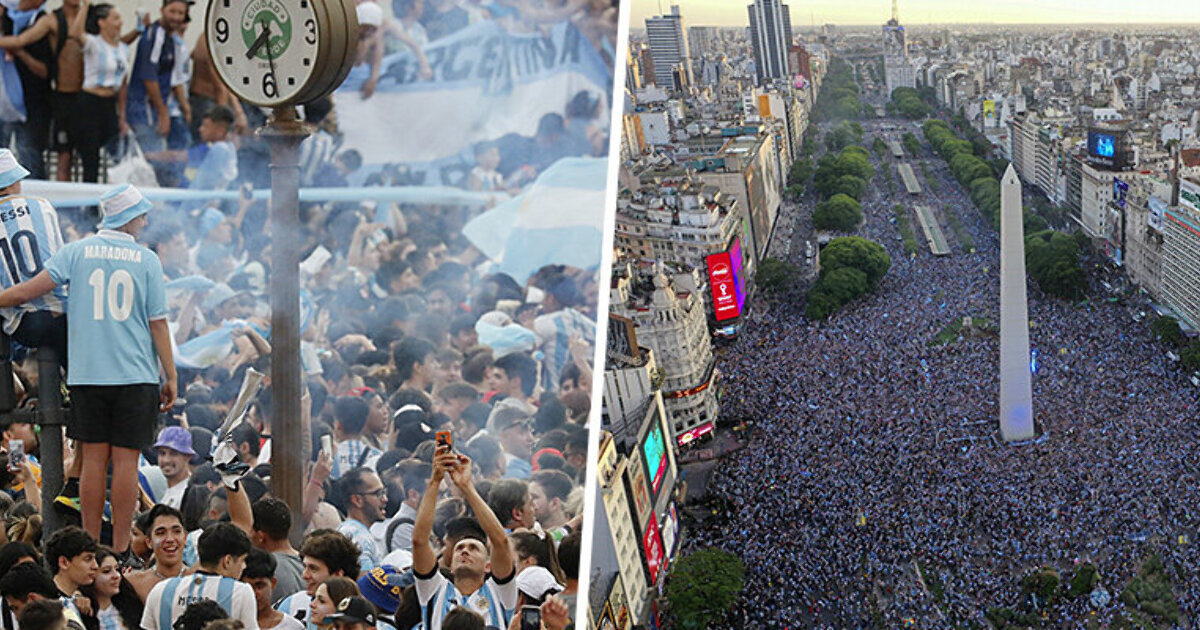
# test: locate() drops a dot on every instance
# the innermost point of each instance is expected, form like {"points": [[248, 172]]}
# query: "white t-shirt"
{"points": [[169, 598], [173, 497], [288, 623]]}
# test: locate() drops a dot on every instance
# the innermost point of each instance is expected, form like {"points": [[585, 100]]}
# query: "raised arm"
{"points": [[424, 559], [76, 30], [502, 560], [40, 29]]}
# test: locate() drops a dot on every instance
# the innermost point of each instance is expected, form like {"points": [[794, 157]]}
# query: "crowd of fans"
{"points": [[873, 491], [406, 333]]}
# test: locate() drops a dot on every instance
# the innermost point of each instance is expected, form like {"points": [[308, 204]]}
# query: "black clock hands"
{"points": [[270, 55], [260, 42]]}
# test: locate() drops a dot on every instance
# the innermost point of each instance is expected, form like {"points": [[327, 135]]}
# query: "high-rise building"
{"points": [[671, 318], [898, 71], [771, 37], [1181, 255], [669, 50]]}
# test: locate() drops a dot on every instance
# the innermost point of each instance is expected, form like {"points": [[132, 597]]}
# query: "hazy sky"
{"points": [[804, 13]]}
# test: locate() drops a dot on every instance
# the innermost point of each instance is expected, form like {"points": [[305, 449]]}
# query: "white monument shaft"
{"points": [[1016, 390]]}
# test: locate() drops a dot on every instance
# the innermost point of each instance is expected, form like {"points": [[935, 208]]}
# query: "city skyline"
{"points": [[874, 12]]}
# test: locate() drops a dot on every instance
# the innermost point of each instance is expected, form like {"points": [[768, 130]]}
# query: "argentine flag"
{"points": [[557, 220]]}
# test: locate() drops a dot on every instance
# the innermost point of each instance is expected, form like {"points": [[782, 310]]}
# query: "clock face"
{"points": [[266, 51]]}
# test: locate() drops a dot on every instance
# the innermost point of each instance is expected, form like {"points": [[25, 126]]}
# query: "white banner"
{"points": [[486, 83]]}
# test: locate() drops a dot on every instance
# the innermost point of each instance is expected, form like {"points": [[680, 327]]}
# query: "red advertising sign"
{"points": [[652, 543], [695, 434], [724, 288]]}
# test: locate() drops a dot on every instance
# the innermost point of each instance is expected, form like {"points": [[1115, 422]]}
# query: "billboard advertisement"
{"points": [[654, 452], [1102, 145], [670, 531], [739, 282], [1189, 194], [1158, 208], [1120, 191], [652, 544], [726, 304], [687, 437], [989, 113]]}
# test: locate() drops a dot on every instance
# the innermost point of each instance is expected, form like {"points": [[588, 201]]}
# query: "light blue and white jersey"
{"points": [[110, 619], [29, 236], [493, 601], [369, 558], [296, 606], [181, 74], [104, 65], [169, 598], [118, 287], [351, 454], [191, 557]]}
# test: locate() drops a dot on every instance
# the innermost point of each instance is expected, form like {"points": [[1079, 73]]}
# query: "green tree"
{"points": [[801, 172], [911, 144], [1190, 357], [880, 148], [859, 253], [1043, 583], [1150, 591], [1052, 259], [833, 290], [852, 160], [840, 212], [1167, 330], [851, 186], [773, 274], [1083, 581], [908, 102], [703, 586]]}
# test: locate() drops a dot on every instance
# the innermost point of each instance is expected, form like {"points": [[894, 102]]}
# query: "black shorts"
{"points": [[120, 415], [41, 329], [66, 120]]}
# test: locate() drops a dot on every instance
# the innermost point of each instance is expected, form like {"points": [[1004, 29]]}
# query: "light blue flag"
{"points": [[559, 219]]}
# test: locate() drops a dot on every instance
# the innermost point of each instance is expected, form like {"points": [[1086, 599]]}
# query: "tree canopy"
{"points": [[773, 274], [859, 253], [907, 102], [1052, 260], [703, 585], [838, 99], [840, 212], [852, 160]]}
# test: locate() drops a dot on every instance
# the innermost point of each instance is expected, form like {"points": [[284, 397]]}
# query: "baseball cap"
{"points": [[353, 610], [122, 205], [537, 582], [382, 586], [177, 439], [10, 171]]}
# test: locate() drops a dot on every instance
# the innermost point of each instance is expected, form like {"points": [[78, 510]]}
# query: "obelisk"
{"points": [[1016, 390]]}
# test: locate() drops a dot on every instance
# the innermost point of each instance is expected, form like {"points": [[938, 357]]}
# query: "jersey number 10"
{"points": [[24, 256], [118, 291]]}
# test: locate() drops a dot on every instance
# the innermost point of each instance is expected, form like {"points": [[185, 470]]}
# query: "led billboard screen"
{"points": [[1102, 144]]}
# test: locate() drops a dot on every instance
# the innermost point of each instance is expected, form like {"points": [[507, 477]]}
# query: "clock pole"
{"points": [[290, 444]]}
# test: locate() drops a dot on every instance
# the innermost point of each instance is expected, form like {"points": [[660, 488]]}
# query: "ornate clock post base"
{"points": [[291, 443]]}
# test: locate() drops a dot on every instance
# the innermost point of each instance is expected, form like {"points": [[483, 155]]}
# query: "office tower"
{"points": [[771, 37], [669, 50]]}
